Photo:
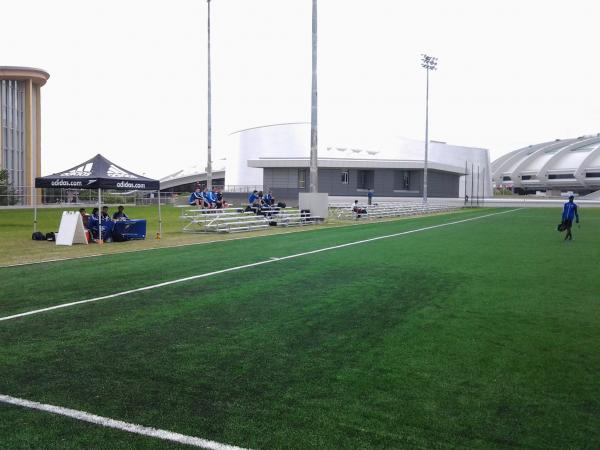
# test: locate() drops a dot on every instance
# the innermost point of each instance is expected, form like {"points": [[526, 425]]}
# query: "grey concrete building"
{"points": [[277, 157], [392, 167]]}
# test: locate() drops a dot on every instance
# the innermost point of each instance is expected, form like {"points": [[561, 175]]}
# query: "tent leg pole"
{"points": [[34, 211], [99, 215], [159, 235]]}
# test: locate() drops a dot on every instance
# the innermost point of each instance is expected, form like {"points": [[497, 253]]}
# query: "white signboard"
{"points": [[71, 229], [317, 203]]}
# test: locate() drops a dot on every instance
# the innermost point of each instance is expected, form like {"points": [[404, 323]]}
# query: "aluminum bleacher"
{"points": [[235, 220], [389, 209]]}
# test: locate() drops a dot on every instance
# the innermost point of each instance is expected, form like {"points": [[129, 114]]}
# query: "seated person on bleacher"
{"points": [[209, 198], [358, 209], [213, 198], [253, 199], [196, 198], [221, 203], [268, 199], [120, 214]]}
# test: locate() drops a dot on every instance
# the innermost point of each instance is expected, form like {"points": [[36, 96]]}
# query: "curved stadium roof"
{"points": [[567, 164]]}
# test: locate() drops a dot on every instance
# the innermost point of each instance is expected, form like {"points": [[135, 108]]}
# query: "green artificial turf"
{"points": [[482, 334]]}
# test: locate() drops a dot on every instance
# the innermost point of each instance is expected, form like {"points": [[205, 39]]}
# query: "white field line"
{"points": [[119, 425], [241, 238], [246, 266]]}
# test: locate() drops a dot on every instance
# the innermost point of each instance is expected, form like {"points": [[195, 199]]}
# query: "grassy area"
{"points": [[16, 226], [477, 335]]}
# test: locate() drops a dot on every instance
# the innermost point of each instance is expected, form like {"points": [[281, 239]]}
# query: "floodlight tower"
{"points": [[209, 127], [428, 63], [314, 186]]}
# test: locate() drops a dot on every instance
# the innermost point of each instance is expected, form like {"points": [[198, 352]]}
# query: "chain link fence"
{"points": [[24, 196]]}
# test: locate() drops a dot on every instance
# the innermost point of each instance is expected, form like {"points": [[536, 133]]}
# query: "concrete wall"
{"points": [[284, 183]]}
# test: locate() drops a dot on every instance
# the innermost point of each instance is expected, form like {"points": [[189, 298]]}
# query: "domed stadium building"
{"points": [[563, 165]]}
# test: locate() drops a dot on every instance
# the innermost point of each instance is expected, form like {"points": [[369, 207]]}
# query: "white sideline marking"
{"points": [[246, 266], [119, 425]]}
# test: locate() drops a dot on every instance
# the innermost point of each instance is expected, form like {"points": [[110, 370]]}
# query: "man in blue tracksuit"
{"points": [[569, 213], [196, 198], [253, 198], [268, 199], [209, 198]]}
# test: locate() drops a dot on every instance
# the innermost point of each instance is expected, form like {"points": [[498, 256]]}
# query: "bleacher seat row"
{"points": [[232, 220], [383, 210]]}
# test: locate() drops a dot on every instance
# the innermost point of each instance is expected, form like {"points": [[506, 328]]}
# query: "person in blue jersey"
{"points": [[569, 213], [213, 199], [254, 202], [209, 201], [268, 199], [221, 203], [253, 199], [196, 198]]}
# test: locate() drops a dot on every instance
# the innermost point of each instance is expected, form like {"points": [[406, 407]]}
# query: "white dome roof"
{"points": [[569, 163]]}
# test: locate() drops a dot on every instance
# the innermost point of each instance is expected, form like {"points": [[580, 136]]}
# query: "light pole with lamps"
{"points": [[209, 128], [428, 63]]}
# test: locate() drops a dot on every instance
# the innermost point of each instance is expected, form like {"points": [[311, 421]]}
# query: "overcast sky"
{"points": [[128, 77]]}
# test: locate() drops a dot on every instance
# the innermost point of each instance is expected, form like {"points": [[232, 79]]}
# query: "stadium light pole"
{"points": [[428, 63], [209, 173], [314, 182]]}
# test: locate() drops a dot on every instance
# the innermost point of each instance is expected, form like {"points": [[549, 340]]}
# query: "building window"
{"points": [[506, 179], [401, 180], [526, 177], [560, 176], [366, 179], [12, 106], [592, 175], [345, 176], [301, 178]]}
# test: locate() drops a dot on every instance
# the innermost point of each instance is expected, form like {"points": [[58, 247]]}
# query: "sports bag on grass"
{"points": [[38, 236]]}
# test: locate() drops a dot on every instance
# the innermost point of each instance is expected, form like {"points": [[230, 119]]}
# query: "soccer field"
{"points": [[477, 329]]}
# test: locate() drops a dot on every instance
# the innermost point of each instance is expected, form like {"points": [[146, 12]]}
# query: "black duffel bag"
{"points": [[38, 236]]}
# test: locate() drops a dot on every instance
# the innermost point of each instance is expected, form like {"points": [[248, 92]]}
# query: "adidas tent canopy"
{"points": [[98, 173]]}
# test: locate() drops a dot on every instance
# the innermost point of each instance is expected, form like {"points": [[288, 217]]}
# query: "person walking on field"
{"points": [[370, 197], [569, 213]]}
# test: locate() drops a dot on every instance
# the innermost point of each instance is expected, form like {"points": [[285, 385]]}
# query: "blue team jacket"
{"points": [[570, 211]]}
